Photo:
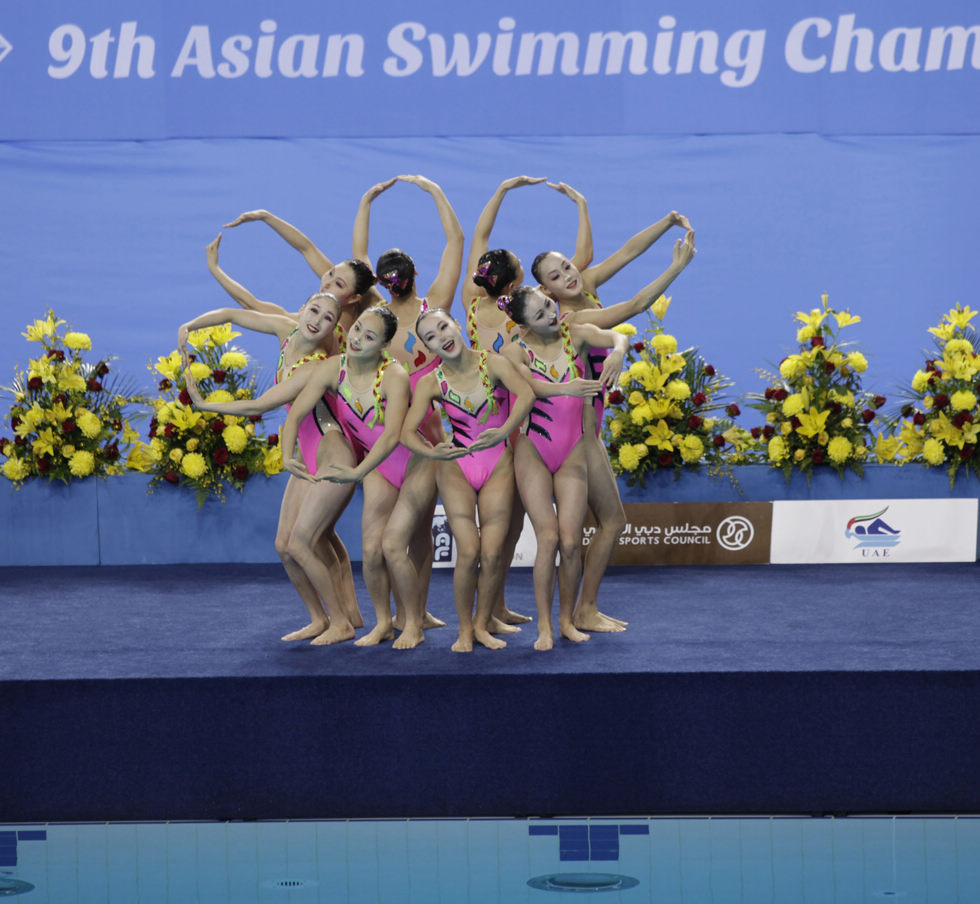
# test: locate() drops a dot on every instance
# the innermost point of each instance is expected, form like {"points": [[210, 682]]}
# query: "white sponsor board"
{"points": [[874, 530]]}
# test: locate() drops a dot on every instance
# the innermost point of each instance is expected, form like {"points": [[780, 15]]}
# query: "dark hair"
{"points": [[364, 278], [536, 266], [495, 270], [389, 322], [517, 305], [396, 272]]}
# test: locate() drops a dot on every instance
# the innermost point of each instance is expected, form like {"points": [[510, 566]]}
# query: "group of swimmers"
{"points": [[521, 385]]}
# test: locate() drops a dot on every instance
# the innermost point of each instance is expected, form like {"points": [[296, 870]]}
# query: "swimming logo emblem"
{"points": [[872, 531]]}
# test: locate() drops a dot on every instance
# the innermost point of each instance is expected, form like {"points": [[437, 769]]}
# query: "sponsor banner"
{"points": [[868, 530], [692, 533], [125, 69]]}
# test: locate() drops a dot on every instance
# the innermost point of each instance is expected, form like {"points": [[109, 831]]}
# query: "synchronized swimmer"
{"points": [[520, 381]]}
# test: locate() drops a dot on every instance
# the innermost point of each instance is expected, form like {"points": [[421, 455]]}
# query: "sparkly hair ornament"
{"points": [[484, 271], [390, 280], [503, 302]]}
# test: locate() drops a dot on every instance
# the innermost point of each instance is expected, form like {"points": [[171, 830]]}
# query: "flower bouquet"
{"points": [[200, 449], [942, 417], [815, 410], [69, 418], [667, 412]]}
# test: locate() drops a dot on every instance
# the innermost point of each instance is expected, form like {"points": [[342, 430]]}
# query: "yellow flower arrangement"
{"points": [[200, 449], [69, 418], [940, 422], [814, 409], [666, 412]]}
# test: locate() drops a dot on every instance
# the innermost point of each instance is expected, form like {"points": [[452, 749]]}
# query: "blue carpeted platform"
{"points": [[164, 693]]}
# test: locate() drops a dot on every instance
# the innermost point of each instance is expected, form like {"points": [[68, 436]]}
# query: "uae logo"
{"points": [[872, 531], [734, 533]]}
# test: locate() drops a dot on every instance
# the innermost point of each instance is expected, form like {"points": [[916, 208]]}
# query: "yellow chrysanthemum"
{"points": [[67, 450], [660, 306], [778, 450], [272, 461], [78, 340], [641, 414], [627, 329], [792, 405], [193, 465], [69, 381], [805, 334], [233, 361], [792, 367], [623, 379], [963, 400], [157, 448], [82, 463], [615, 427], [677, 390], [664, 343], [628, 459], [857, 362], [958, 347], [235, 438], [200, 371], [920, 381], [192, 444], [176, 455], [798, 455], [220, 395], [691, 448], [839, 449], [933, 451], [639, 370], [89, 424], [15, 469]]}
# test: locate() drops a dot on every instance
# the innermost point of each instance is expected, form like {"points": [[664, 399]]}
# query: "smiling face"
{"points": [[366, 337], [318, 317], [441, 335], [560, 277], [540, 314], [339, 281]]}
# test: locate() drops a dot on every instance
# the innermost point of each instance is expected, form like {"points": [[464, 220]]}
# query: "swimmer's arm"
{"points": [[318, 262], [586, 335], [278, 324], [503, 373], [639, 243], [583, 239], [274, 397], [235, 289], [441, 292], [362, 221], [317, 380]]}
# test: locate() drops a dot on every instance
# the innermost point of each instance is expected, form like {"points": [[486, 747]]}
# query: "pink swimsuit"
{"points": [[596, 358], [318, 421], [554, 425], [355, 410], [470, 414]]}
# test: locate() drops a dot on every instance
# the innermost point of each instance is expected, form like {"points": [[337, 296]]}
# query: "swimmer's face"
{"points": [[318, 317], [339, 281], [560, 278], [366, 337], [441, 335], [540, 313]]}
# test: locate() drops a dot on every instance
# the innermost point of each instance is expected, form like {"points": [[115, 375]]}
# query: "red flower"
{"points": [[829, 367], [867, 415], [962, 418], [169, 430], [117, 424], [34, 383], [718, 440], [665, 459], [768, 431], [693, 422], [879, 401], [835, 407], [217, 426], [240, 472], [94, 385], [184, 397], [940, 400], [20, 441], [756, 432], [43, 465], [615, 397], [220, 455], [639, 346], [68, 426], [613, 447], [709, 370], [112, 452], [272, 439], [966, 452], [780, 394], [164, 384], [171, 477], [817, 456], [733, 410], [14, 422], [56, 353], [61, 397], [101, 369], [699, 398], [907, 411], [795, 422], [770, 392], [816, 342], [918, 418], [255, 418], [219, 375]]}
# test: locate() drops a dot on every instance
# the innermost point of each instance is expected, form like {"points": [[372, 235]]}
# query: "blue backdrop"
{"points": [[816, 147]]}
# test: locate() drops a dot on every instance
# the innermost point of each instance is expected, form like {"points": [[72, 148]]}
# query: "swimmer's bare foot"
{"points": [[496, 626], [376, 635], [336, 633], [428, 621], [570, 632], [509, 617], [463, 644], [596, 621], [488, 640], [314, 629], [410, 638]]}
